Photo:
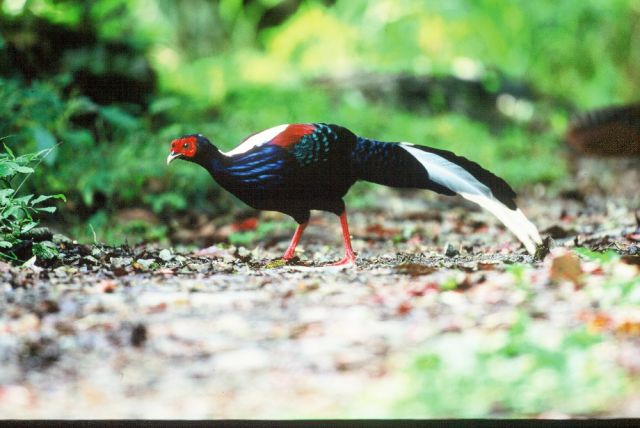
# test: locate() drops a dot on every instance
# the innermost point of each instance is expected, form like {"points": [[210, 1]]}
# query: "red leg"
{"points": [[349, 255], [288, 255]]}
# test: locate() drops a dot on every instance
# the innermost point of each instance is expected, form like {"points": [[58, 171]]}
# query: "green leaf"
{"points": [[581, 339], [5, 244], [11, 211], [45, 141], [7, 169], [45, 250], [24, 169], [47, 209], [23, 199], [80, 137], [163, 104], [41, 198], [27, 227], [5, 192], [118, 118], [601, 257], [29, 263], [8, 150]]}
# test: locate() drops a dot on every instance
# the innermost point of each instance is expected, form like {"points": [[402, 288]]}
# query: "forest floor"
{"points": [[147, 332]]}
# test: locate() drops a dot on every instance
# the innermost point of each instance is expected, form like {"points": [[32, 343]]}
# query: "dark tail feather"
{"points": [[394, 164], [413, 166], [391, 165]]}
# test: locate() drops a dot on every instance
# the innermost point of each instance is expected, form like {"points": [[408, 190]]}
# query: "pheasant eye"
{"points": [[185, 146]]}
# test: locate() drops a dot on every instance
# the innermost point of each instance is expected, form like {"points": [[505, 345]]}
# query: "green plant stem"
{"points": [[29, 175]]}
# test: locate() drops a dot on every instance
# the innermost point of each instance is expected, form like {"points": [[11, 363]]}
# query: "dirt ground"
{"points": [[147, 332]]}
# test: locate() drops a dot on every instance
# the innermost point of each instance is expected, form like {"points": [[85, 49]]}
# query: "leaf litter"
{"points": [[144, 331]]}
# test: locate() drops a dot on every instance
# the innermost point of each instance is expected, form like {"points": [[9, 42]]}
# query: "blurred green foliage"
{"points": [[531, 369], [263, 229], [115, 80], [531, 366]]}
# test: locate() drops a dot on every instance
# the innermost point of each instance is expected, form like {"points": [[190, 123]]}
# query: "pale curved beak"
{"points": [[172, 156]]}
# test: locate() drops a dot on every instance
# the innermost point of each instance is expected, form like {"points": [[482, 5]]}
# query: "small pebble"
{"points": [[165, 255], [450, 251]]}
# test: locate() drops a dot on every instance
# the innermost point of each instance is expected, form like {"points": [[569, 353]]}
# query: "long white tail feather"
{"points": [[459, 180], [447, 173], [515, 221]]}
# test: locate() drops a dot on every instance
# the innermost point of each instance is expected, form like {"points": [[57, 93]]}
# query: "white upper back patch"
{"points": [[257, 140]]}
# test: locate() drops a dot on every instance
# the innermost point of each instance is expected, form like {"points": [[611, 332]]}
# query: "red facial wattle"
{"points": [[182, 147]]}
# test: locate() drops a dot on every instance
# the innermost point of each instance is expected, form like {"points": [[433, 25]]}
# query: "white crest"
{"points": [[257, 140]]}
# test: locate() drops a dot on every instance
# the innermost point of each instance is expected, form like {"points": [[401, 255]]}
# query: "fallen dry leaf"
{"points": [[633, 237], [404, 308], [137, 214], [599, 322], [465, 284], [422, 289], [415, 269], [630, 328], [155, 309], [247, 224], [631, 260], [106, 286], [487, 265], [381, 231], [566, 267]]}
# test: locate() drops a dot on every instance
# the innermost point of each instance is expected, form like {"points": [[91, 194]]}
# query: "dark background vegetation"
{"points": [[113, 81]]}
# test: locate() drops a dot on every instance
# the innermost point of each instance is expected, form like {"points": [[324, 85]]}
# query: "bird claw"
{"points": [[290, 260], [347, 261]]}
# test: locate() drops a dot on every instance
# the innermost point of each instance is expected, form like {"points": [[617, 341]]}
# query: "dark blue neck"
{"points": [[210, 158], [216, 166]]}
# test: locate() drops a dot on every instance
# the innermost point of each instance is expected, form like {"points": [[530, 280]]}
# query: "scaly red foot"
{"points": [[347, 261]]}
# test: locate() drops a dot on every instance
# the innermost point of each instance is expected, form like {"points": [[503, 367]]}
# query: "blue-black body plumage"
{"points": [[302, 167]]}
